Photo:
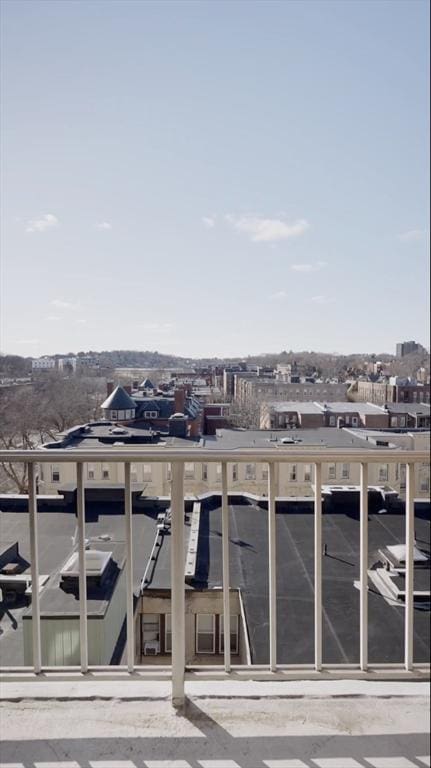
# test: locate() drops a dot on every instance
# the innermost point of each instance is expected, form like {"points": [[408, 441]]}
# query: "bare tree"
{"points": [[32, 415]]}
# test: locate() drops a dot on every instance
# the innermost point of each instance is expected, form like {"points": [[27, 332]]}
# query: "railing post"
{"points": [[83, 634], [129, 568], [272, 570], [318, 567], [177, 579], [363, 568], [34, 555], [410, 534], [225, 546]]}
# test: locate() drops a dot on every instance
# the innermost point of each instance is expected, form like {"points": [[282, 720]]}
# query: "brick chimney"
{"points": [[109, 388], [128, 388], [180, 399]]}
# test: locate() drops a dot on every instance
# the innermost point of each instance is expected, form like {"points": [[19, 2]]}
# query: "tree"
{"points": [[30, 416]]}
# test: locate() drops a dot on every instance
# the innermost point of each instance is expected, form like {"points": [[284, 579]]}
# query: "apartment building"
{"points": [[395, 390], [252, 390], [407, 347], [281, 415], [201, 478]]}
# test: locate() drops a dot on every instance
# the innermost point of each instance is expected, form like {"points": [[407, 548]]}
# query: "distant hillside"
{"points": [[325, 364]]}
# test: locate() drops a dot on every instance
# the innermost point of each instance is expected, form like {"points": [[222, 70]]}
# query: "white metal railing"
{"points": [[177, 458]]}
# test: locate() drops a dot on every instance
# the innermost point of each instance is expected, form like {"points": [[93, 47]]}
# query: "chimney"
{"points": [[128, 388], [109, 388], [180, 399], [135, 384]]}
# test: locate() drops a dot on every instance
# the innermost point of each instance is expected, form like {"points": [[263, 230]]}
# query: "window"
{"points": [[402, 421], [424, 477], [105, 471], [150, 631], [234, 472], [402, 476], [205, 625], [90, 472], [332, 472], [264, 472], [133, 473], [332, 421], [55, 474], [250, 471], [189, 469], [383, 473], [345, 471], [168, 633], [307, 473], [354, 421], [114, 415], [292, 473], [169, 472], [151, 414], [204, 472], [218, 472], [41, 472], [424, 483], [394, 421], [233, 634]]}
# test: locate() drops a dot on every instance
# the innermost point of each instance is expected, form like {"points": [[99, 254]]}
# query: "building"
{"points": [[404, 348], [200, 478], [203, 581], [395, 390], [43, 364], [257, 390], [282, 415]]}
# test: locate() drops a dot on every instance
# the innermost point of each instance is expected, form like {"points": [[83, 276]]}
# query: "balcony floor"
{"points": [[223, 725]]}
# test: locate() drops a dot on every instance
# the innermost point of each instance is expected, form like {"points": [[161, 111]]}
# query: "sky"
{"points": [[214, 178]]}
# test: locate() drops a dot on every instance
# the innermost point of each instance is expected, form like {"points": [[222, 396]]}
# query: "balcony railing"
{"points": [[177, 458]]}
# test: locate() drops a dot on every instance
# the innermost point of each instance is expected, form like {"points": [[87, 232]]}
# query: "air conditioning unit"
{"points": [[152, 648]]}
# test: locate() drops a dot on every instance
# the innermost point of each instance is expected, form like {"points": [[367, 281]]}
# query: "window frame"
{"points": [[205, 633]]}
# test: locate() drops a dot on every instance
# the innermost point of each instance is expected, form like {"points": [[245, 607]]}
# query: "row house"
{"points": [[153, 479]]}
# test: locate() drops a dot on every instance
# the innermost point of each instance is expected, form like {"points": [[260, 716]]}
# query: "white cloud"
{"points": [[412, 234], [278, 296], [321, 300], [53, 318], [60, 304], [104, 225], [308, 267], [265, 230], [209, 221], [27, 341], [47, 221]]}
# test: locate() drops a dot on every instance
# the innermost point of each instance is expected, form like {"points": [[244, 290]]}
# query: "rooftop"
{"points": [[295, 591], [118, 400]]}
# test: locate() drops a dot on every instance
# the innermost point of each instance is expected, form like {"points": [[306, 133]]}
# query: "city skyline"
{"points": [[214, 180]]}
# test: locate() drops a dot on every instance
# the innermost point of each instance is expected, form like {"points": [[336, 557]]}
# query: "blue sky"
{"points": [[214, 178]]}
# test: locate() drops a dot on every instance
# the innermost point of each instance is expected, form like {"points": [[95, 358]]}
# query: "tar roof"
{"points": [[267, 438], [56, 535], [423, 408], [248, 554], [306, 407], [346, 407]]}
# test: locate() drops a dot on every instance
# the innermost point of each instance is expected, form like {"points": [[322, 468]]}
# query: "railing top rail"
{"points": [[202, 454]]}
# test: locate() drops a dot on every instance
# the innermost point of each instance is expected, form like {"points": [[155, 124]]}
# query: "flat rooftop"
{"points": [[267, 438], [57, 532], [248, 553]]}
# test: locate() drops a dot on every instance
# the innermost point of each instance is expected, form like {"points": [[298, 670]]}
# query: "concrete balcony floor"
{"points": [[126, 724]]}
